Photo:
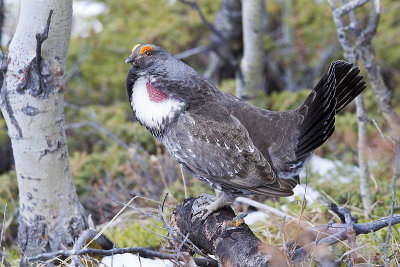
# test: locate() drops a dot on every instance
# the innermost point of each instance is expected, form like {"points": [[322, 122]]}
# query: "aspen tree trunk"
{"points": [[252, 64], [31, 99]]}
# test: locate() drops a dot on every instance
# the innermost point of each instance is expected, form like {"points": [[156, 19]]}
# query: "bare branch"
{"points": [[331, 234], [97, 127], [339, 261], [194, 5], [368, 33], [81, 242], [192, 52], [3, 260], [3, 224], [349, 7], [79, 250], [396, 165], [225, 52], [262, 206], [84, 54], [380, 131]]}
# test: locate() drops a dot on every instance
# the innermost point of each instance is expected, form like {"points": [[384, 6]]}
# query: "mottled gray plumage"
{"points": [[234, 146]]}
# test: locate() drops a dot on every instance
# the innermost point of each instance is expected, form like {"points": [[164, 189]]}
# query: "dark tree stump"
{"points": [[230, 241]]}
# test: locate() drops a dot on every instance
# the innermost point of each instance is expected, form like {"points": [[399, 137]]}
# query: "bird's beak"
{"points": [[129, 60]]}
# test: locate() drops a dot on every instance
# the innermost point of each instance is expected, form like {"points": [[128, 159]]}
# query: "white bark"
{"points": [[50, 213], [252, 64], [362, 121]]}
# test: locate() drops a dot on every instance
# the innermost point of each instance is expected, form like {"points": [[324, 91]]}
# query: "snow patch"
{"points": [[254, 217], [88, 8], [311, 194], [131, 260], [84, 21], [329, 169]]}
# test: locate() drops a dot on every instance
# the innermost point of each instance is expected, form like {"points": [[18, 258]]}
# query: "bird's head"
{"points": [[145, 56], [160, 86], [166, 73]]}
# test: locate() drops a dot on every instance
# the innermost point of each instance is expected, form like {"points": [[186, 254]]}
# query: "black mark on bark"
{"points": [[37, 78], [30, 111], [53, 144], [6, 101], [29, 178]]}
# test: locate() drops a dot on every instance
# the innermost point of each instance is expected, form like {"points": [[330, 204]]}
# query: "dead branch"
{"points": [[80, 243], [219, 42], [79, 250], [333, 233], [98, 127], [228, 238], [3, 260], [3, 224], [350, 54], [366, 52], [192, 52], [143, 252], [395, 169]]}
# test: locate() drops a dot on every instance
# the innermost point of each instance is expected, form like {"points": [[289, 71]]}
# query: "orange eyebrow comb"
{"points": [[145, 48]]}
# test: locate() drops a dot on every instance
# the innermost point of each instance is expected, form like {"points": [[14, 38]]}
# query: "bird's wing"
{"points": [[222, 153]]}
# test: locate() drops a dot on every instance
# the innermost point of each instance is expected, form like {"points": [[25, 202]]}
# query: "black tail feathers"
{"points": [[337, 88]]}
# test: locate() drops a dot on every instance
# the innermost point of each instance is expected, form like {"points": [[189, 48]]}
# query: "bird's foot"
{"points": [[235, 222], [208, 204]]}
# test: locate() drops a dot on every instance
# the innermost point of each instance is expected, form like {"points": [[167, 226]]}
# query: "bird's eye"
{"points": [[146, 50]]}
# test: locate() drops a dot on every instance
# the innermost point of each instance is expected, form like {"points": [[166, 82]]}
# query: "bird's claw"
{"points": [[201, 205], [235, 222]]}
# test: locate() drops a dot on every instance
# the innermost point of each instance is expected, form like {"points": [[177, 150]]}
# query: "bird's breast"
{"points": [[152, 107]]}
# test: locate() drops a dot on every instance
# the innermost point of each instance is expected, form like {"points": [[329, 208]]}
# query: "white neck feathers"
{"points": [[152, 114]]}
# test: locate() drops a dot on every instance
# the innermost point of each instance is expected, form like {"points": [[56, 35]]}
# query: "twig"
{"points": [[97, 127], [75, 68], [106, 227], [396, 164], [349, 7], [334, 233], [172, 231], [143, 252], [226, 52], [192, 52], [194, 5], [379, 241], [3, 224], [261, 206], [380, 131], [2, 15], [112, 256], [368, 33], [350, 232], [3, 260], [81, 241], [184, 181], [337, 262]]}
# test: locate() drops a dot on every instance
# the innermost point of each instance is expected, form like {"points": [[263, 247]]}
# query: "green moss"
{"points": [[132, 234]]}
